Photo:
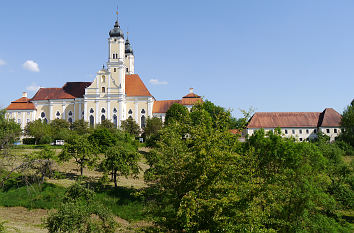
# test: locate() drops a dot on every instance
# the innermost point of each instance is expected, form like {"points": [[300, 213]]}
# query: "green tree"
{"points": [[130, 126], [10, 131], [121, 160], [347, 124], [107, 124], [153, 126], [60, 129], [81, 150], [177, 112], [210, 182], [80, 213], [39, 130], [80, 127]]}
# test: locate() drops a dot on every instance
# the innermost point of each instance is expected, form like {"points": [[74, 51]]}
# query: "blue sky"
{"points": [[272, 55]]}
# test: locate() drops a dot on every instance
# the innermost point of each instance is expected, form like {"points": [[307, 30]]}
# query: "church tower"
{"points": [[116, 66], [129, 57]]}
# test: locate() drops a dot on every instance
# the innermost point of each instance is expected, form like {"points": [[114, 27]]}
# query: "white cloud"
{"points": [[157, 82], [31, 66], [33, 87], [2, 62]]}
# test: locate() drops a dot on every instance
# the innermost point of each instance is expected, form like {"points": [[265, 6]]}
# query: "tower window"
{"points": [[103, 90]]}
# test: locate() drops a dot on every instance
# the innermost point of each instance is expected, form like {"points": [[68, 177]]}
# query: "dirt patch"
{"points": [[19, 219]]}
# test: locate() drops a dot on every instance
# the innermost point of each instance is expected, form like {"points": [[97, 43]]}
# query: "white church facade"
{"points": [[117, 93]]}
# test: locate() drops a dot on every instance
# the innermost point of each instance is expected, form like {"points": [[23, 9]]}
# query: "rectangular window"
{"points": [[307, 131], [127, 70], [103, 90], [286, 131], [335, 130], [327, 130], [293, 131], [300, 131], [114, 70]]}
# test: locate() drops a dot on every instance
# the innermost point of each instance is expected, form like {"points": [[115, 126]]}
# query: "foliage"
{"points": [[79, 148], [210, 182], [2, 227], [60, 129], [176, 113], [121, 160], [79, 213], [39, 130], [131, 127], [151, 131], [80, 127], [28, 141], [242, 122], [10, 131], [347, 124], [106, 124]]}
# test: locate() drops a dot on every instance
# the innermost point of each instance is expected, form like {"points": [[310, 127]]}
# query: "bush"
{"points": [[29, 141]]}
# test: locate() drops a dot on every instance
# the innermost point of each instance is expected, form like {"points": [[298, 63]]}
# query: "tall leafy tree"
{"points": [[131, 127], [80, 127], [79, 148], [347, 124], [10, 131], [121, 160], [40, 131], [177, 113], [60, 129]]}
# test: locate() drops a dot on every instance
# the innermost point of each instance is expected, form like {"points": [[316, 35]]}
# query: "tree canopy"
{"points": [[10, 131]]}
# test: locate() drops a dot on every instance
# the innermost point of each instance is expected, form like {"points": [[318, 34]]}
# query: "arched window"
{"points": [[42, 114], [103, 110], [115, 110], [103, 117], [130, 111], [58, 113], [70, 120], [130, 117], [45, 120], [143, 121], [143, 111], [115, 121], [91, 110], [92, 121], [103, 90], [70, 113]]}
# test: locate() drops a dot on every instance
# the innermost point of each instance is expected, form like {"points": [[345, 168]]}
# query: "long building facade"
{"points": [[302, 126], [117, 93]]}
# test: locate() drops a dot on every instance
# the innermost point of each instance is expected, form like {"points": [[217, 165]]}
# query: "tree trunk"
{"points": [[115, 179]]}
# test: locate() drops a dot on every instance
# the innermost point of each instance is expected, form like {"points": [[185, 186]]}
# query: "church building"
{"points": [[117, 93]]}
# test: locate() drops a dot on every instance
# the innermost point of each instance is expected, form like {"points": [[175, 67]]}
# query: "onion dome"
{"points": [[116, 31], [128, 48]]}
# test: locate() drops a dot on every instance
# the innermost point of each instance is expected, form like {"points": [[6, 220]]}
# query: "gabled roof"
{"points": [[21, 104], [134, 86], [328, 118], [76, 89], [51, 93], [283, 119], [162, 106]]}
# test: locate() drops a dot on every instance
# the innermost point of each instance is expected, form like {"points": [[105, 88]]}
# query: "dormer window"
{"points": [[103, 90]]}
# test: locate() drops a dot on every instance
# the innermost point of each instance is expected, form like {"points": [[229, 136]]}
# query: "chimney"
{"points": [[191, 90], [24, 94]]}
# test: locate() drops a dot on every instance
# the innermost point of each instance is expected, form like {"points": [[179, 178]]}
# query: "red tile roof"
{"points": [[191, 95], [51, 93], [162, 106], [21, 104], [134, 86], [328, 118], [191, 101], [76, 89], [283, 119]]}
